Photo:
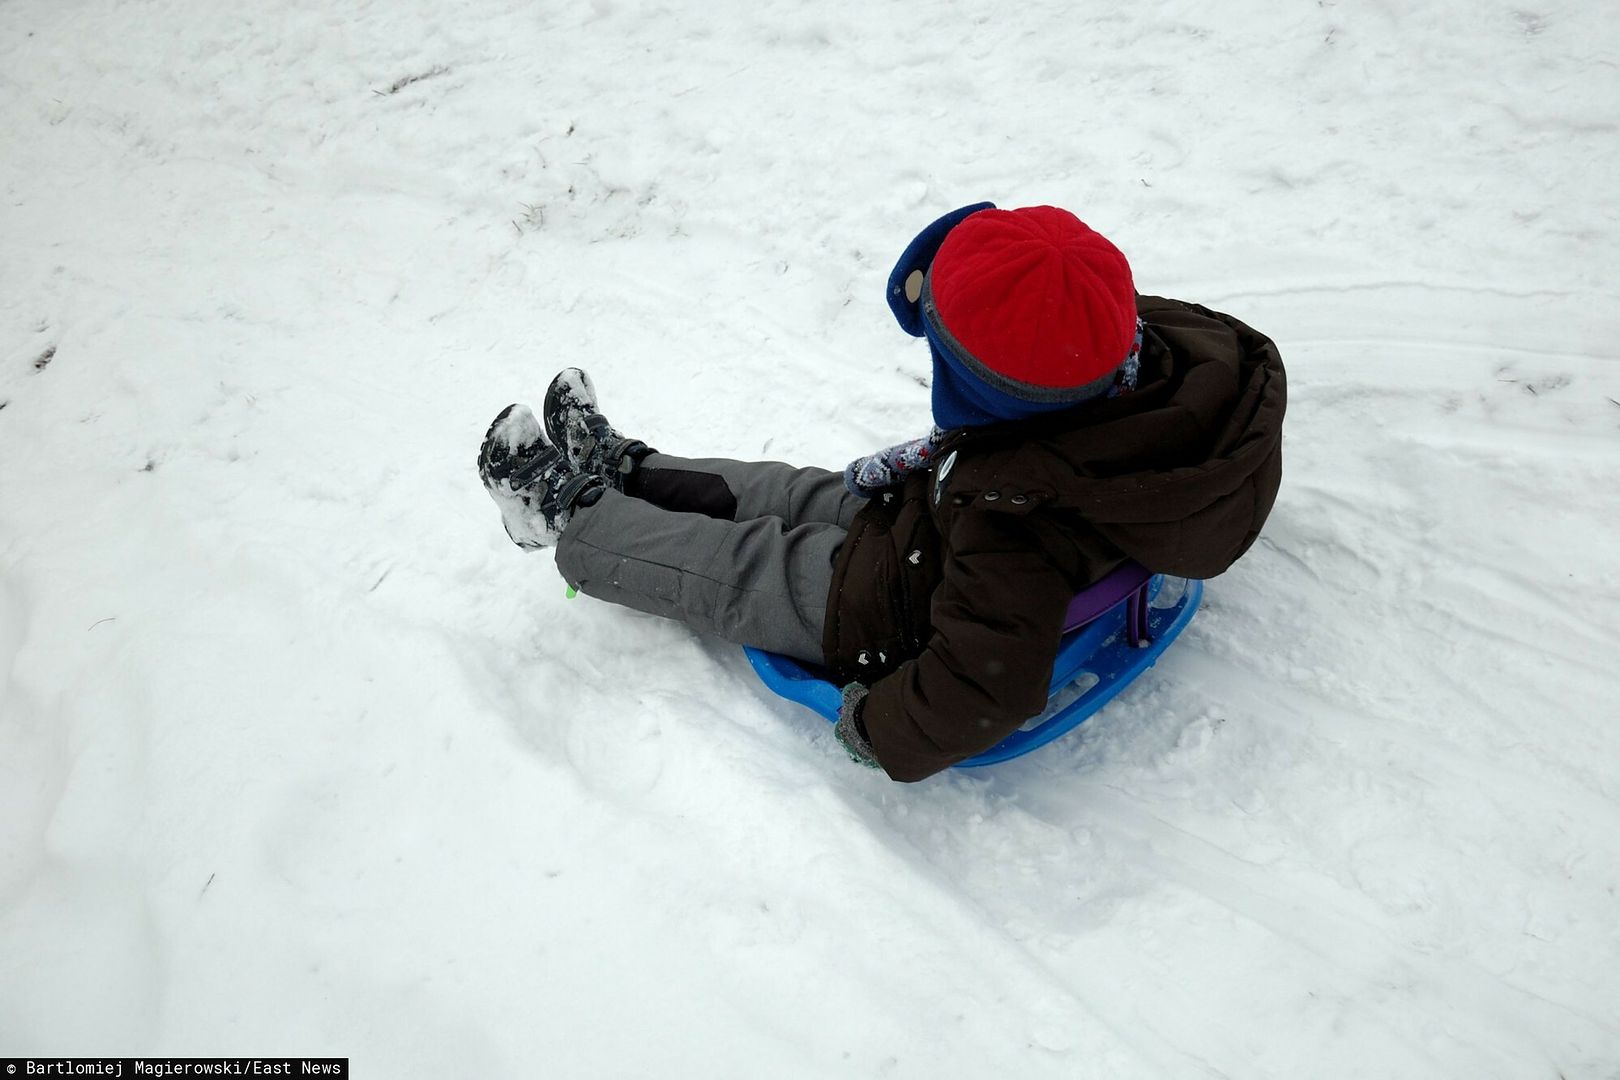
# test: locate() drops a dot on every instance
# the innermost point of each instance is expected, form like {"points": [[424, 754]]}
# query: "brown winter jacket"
{"points": [[948, 598]]}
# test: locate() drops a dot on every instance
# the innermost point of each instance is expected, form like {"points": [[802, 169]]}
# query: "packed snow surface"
{"points": [[299, 755]]}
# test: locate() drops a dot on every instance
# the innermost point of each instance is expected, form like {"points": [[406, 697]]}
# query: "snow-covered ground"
{"points": [[299, 755]]}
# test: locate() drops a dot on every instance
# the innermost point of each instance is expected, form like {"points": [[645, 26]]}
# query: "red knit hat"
{"points": [[1033, 302]]}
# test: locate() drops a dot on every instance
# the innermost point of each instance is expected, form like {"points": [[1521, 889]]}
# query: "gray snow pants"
{"points": [[742, 550]]}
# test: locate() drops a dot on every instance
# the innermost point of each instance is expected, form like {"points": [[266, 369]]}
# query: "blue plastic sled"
{"points": [[1114, 631]]}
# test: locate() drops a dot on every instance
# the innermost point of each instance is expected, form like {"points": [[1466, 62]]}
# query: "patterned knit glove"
{"points": [[871, 475], [851, 733]]}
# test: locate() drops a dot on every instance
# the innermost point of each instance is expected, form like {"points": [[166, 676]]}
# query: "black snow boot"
{"points": [[577, 426], [531, 480]]}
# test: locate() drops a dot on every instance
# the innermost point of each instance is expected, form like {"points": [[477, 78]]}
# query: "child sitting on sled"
{"points": [[1076, 425]]}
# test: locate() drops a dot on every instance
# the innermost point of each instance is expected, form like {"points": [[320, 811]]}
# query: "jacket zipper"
{"points": [[907, 635]]}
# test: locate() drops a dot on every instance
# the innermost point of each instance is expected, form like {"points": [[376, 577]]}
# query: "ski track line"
{"points": [[1121, 1018], [950, 894], [1292, 559], [1488, 587], [1124, 1028], [951, 898], [1201, 668], [1494, 440], [1342, 937], [1108, 820], [1216, 296], [1489, 631], [1099, 815], [1494, 706], [1469, 694], [1429, 345]]}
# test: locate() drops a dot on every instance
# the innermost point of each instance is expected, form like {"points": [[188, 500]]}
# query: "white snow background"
{"points": [[298, 755]]}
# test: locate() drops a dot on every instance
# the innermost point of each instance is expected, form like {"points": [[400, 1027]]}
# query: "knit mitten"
{"points": [[850, 731], [875, 473]]}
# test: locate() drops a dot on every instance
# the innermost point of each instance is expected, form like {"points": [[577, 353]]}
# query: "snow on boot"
{"points": [[531, 480], [574, 423]]}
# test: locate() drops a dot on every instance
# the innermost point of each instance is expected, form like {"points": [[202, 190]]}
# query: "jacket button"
{"points": [[863, 658], [991, 496], [960, 500], [1020, 500]]}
